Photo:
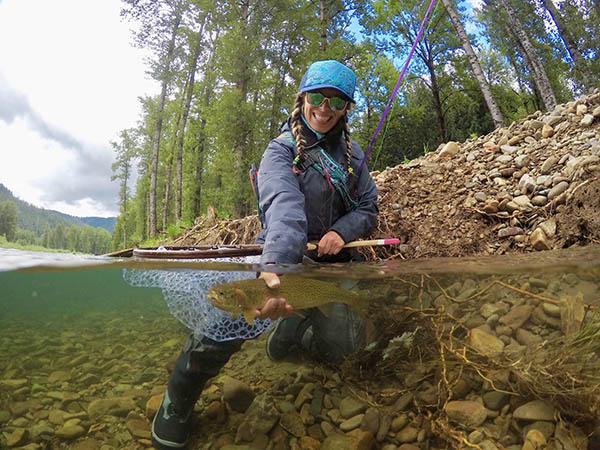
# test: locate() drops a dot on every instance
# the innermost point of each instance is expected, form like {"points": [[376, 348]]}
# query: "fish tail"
{"points": [[361, 303]]}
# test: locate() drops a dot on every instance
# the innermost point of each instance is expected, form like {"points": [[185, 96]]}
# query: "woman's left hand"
{"points": [[330, 244], [275, 307]]}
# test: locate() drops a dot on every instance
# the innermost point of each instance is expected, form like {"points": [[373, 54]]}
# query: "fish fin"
{"points": [[359, 302], [241, 296], [326, 309], [249, 315], [362, 303], [347, 283]]}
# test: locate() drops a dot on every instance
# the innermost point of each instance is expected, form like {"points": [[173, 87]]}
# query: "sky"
{"points": [[70, 79]]}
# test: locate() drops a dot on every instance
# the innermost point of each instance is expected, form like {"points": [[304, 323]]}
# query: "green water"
{"points": [[72, 330]]}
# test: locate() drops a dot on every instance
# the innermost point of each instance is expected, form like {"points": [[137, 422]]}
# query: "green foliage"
{"points": [[8, 219], [252, 55]]}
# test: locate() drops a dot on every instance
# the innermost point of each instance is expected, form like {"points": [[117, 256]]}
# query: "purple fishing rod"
{"points": [[398, 83]]}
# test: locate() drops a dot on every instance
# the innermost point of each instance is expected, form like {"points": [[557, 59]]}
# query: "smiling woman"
{"points": [[60, 80]]}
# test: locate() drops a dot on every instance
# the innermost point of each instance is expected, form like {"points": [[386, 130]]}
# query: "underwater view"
{"points": [[489, 353]]}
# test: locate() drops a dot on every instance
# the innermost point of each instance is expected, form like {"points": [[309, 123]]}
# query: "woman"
{"points": [[309, 189]]}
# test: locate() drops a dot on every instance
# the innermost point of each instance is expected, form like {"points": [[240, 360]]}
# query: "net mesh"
{"points": [[185, 292]]}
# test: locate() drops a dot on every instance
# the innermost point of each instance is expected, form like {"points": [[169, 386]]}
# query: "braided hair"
{"points": [[296, 122]]}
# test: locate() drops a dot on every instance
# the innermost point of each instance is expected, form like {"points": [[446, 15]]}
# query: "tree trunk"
{"points": [[323, 22], [437, 101], [159, 120], [279, 86], [208, 89], [124, 207], [167, 194], [579, 62], [242, 80], [186, 111], [475, 66], [538, 101], [538, 72]]}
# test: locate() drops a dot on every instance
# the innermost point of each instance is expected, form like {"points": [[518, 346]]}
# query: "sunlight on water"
{"points": [[73, 330]]}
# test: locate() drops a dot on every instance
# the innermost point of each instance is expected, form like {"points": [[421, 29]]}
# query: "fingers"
{"points": [[275, 308], [330, 244], [271, 279]]}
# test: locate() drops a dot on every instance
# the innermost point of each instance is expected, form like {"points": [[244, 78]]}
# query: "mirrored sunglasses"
{"points": [[335, 103]]}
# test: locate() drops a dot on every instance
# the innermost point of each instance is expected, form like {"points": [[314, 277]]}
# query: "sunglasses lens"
{"points": [[315, 98], [337, 103]]}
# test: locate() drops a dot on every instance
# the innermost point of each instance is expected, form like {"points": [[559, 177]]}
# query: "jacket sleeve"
{"points": [[282, 204], [360, 222]]}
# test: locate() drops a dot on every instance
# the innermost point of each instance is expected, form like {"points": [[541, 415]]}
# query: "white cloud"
{"points": [[69, 82]]}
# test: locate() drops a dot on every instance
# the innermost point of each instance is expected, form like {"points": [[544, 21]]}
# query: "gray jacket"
{"points": [[297, 208]]}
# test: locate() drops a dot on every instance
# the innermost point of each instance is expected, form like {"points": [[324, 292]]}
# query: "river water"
{"points": [[76, 328]]}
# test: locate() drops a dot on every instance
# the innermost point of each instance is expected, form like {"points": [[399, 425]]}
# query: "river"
{"points": [[78, 328]]}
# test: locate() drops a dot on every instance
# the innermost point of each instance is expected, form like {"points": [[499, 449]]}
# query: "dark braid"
{"points": [[348, 145], [296, 123]]}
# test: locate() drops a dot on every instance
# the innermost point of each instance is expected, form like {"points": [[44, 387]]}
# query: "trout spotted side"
{"points": [[246, 296]]}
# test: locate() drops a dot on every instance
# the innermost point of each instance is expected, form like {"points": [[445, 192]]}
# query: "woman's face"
{"points": [[322, 118]]}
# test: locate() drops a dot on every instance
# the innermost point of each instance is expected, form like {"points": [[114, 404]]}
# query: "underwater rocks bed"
{"points": [[481, 362]]}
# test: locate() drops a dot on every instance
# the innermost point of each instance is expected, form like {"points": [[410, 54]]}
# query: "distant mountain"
{"points": [[107, 223], [35, 219]]}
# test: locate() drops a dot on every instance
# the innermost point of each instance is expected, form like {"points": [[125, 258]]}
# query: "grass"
{"points": [[29, 247]]}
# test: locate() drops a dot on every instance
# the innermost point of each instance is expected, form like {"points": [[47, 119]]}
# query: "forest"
{"points": [[228, 72], [25, 226], [72, 238]]}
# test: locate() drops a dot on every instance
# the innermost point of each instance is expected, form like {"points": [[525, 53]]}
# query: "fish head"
{"points": [[227, 298]]}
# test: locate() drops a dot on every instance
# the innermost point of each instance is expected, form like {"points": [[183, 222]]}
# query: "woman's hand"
{"points": [[330, 244], [275, 307]]}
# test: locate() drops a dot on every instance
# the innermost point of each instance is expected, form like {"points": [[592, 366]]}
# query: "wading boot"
{"points": [[289, 336], [171, 427], [201, 359]]}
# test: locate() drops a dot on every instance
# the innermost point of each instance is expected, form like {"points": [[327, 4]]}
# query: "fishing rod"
{"points": [[363, 243], [221, 251], [397, 86]]}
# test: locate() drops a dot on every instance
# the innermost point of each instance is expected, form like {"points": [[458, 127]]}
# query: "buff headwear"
{"points": [[329, 74]]}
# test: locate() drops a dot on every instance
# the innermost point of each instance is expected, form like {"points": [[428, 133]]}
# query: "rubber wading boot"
{"points": [[289, 335], [201, 359]]}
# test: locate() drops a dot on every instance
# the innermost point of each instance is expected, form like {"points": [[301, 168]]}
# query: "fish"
{"points": [[246, 296]]}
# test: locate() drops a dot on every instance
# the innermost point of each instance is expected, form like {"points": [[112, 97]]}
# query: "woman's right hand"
{"points": [[275, 307]]}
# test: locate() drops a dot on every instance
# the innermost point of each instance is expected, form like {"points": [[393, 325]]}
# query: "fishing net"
{"points": [[185, 292]]}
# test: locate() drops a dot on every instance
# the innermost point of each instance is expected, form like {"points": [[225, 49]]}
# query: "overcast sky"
{"points": [[69, 83]]}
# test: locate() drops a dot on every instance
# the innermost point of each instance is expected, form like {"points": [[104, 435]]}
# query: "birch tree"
{"points": [[567, 36], [475, 66], [530, 55]]}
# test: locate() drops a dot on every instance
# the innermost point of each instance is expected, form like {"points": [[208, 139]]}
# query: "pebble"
{"points": [[535, 410], [350, 407], [237, 394]]}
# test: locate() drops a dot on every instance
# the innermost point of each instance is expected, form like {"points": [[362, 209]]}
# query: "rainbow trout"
{"points": [[244, 297]]}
